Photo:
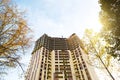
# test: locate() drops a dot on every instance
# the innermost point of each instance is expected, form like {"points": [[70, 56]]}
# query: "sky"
{"points": [[60, 17], [57, 18]]}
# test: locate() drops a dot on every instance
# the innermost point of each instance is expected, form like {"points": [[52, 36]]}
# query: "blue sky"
{"points": [[57, 18], [60, 17]]}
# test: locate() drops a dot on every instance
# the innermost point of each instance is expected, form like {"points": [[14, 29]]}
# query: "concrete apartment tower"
{"points": [[56, 58]]}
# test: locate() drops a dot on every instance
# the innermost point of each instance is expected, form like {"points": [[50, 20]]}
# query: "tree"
{"points": [[14, 36], [95, 48], [110, 19]]}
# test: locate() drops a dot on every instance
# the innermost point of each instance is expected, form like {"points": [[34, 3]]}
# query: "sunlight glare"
{"points": [[95, 25]]}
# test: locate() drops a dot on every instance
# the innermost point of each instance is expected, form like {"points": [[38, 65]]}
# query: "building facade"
{"points": [[56, 58]]}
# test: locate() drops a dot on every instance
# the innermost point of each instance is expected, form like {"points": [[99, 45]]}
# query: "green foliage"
{"points": [[95, 46], [110, 19]]}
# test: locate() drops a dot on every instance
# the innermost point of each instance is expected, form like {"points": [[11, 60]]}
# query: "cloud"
{"points": [[60, 17]]}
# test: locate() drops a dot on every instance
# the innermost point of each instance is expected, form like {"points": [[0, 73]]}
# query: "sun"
{"points": [[94, 24]]}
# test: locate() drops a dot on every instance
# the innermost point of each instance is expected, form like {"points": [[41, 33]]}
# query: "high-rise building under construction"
{"points": [[56, 58]]}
